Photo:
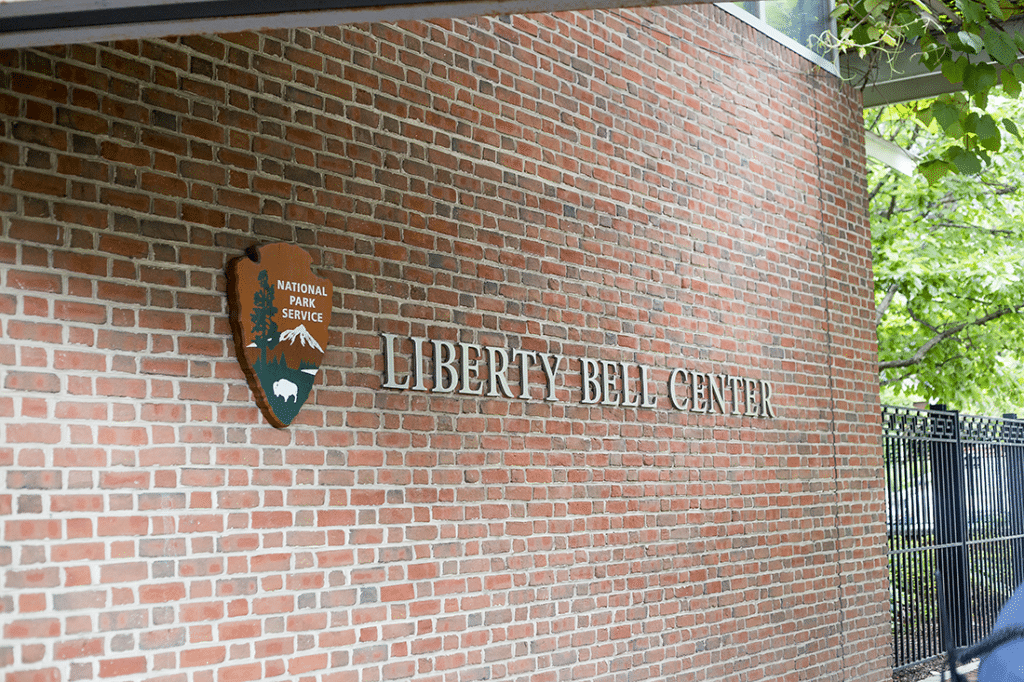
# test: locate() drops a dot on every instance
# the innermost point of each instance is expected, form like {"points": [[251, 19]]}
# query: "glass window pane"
{"points": [[752, 8], [802, 20]]}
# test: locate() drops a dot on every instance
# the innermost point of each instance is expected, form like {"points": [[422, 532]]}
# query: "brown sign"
{"points": [[280, 312]]}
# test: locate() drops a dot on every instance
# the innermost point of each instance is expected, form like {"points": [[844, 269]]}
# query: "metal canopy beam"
{"points": [[33, 23], [905, 79]]}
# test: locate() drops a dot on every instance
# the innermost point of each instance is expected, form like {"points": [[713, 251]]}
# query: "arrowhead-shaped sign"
{"points": [[280, 312]]}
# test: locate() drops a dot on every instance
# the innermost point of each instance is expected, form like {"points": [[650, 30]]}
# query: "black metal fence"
{"points": [[955, 487]]}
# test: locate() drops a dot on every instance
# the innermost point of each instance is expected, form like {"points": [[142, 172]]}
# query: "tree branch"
{"points": [[946, 334], [884, 305], [912, 372], [885, 180], [965, 226]]}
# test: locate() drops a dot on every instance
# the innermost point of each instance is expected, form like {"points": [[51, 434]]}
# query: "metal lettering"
{"points": [[591, 382], [550, 370], [390, 381], [717, 389], [444, 366], [672, 395], [766, 400], [470, 368], [476, 369], [751, 392], [626, 400], [525, 358], [736, 386], [699, 390], [419, 363], [497, 365], [610, 395], [647, 399]]}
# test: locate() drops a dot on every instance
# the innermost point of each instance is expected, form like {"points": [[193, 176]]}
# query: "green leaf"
{"points": [[840, 10], [1011, 86], [970, 123], [986, 127], [967, 162], [1000, 46], [934, 170], [859, 35], [954, 70], [971, 41], [992, 143], [948, 116], [980, 78], [1011, 128], [972, 11], [996, 10]]}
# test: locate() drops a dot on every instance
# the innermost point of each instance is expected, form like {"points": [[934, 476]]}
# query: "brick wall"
{"points": [[663, 187]]}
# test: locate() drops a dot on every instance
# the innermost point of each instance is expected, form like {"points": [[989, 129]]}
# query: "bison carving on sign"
{"points": [[285, 389]]}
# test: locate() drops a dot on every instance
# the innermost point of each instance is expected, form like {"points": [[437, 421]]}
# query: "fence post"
{"points": [[949, 500], [1014, 453]]}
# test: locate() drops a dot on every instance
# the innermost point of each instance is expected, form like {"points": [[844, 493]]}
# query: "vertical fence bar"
{"points": [[950, 505], [1013, 450]]}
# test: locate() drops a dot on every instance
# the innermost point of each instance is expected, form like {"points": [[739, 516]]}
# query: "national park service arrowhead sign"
{"points": [[280, 312]]}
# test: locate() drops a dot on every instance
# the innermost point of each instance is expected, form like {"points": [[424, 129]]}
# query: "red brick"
{"points": [[77, 361], [34, 433], [155, 594], [35, 331], [33, 628], [277, 519], [39, 183], [205, 656], [35, 578], [240, 673], [120, 667], [76, 311], [114, 526], [136, 156], [307, 664], [123, 572], [82, 263], [78, 551], [41, 675], [35, 281], [80, 648], [32, 382]]}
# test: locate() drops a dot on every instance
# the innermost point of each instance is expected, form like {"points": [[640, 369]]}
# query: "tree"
{"points": [[949, 269], [974, 44], [264, 329]]}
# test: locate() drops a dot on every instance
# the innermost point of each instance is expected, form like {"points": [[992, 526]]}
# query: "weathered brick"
{"points": [[561, 183]]}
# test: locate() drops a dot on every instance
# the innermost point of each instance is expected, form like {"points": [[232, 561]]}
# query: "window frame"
{"points": [[758, 22]]}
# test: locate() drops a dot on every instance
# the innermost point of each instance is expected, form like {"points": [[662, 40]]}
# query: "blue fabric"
{"points": [[1006, 664]]}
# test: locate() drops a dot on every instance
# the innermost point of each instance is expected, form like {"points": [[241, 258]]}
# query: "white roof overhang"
{"points": [[34, 23]]}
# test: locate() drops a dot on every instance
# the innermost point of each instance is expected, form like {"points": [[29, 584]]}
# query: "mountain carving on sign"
{"points": [[302, 336], [297, 345]]}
